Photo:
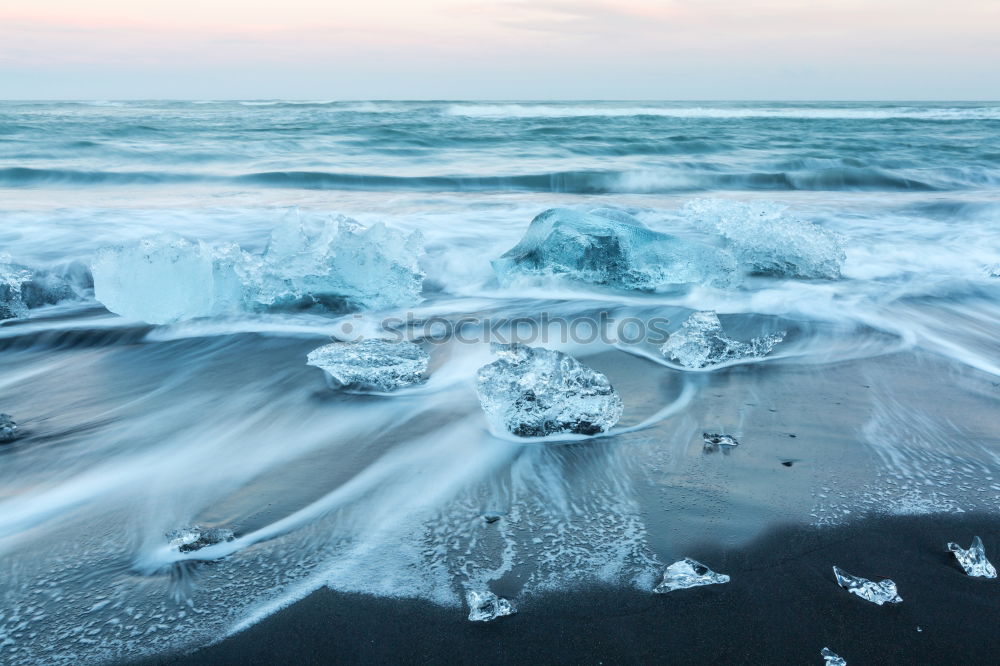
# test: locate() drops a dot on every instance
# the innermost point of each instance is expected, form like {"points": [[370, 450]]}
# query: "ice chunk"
{"points": [[196, 537], [8, 429], [610, 247], [688, 573], [714, 441], [992, 271], [700, 342], [878, 593], [372, 364], [768, 241], [974, 559], [485, 606], [12, 280], [341, 264], [164, 279], [831, 658], [533, 392]]}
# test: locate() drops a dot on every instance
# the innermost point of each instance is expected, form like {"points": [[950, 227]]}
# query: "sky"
{"points": [[500, 49]]}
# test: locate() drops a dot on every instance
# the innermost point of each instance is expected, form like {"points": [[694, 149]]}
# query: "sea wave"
{"points": [[503, 111], [640, 181]]}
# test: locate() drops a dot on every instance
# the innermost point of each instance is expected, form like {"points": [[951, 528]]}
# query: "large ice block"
{"points": [[767, 240], [533, 392], [612, 248]]}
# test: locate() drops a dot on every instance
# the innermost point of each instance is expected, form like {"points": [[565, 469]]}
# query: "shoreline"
{"points": [[781, 606]]}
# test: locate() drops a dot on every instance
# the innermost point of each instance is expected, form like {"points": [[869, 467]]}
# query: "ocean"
{"points": [[864, 240]]}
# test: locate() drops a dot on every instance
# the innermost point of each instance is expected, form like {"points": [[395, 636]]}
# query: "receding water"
{"points": [[881, 398]]}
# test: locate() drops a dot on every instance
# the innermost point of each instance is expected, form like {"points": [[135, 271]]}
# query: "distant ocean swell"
{"points": [[651, 181]]}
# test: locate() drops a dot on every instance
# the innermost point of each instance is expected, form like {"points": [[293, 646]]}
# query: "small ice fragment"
{"points": [[8, 429], [714, 441], [485, 606], [831, 658], [533, 392], [878, 593], [376, 365], [992, 271], [974, 559], [196, 537], [766, 240], [610, 247], [688, 573], [700, 342]]}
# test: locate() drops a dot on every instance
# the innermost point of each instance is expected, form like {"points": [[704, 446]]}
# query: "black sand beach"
{"points": [[781, 607]]}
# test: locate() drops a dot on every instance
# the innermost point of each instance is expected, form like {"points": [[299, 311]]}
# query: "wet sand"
{"points": [[782, 606]]}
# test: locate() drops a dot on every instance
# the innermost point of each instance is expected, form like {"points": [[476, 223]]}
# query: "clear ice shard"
{"points": [[376, 365], [533, 392], [339, 265], [688, 573], [766, 240], [196, 537], [714, 441], [8, 429], [700, 343], [485, 606], [973, 559], [878, 593], [831, 658], [612, 248]]}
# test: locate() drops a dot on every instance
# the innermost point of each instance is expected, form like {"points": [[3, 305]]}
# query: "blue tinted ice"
{"points": [[12, 280], [878, 593], [196, 537], [767, 240], [341, 265], [8, 429], [973, 559], [533, 392], [700, 342], [688, 573], [609, 247], [372, 364], [485, 606]]}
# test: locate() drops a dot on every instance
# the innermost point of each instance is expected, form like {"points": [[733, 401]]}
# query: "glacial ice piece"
{"points": [[341, 265], [485, 606], [992, 271], [700, 342], [533, 392], [372, 364], [12, 280], [165, 279], [8, 429], [878, 593], [196, 537], [688, 573], [767, 241], [831, 658], [974, 559], [610, 247], [714, 441]]}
